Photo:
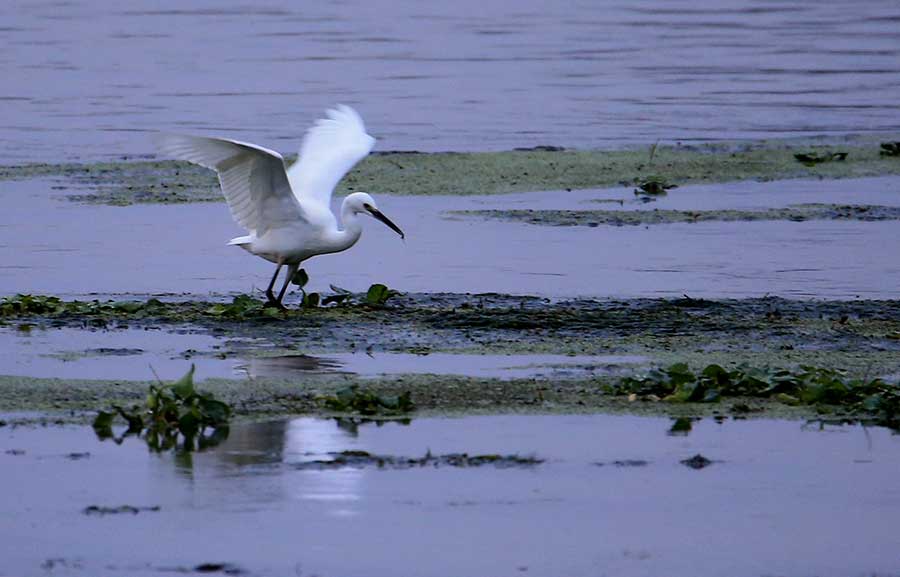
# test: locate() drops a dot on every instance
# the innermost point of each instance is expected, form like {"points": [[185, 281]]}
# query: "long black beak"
{"points": [[378, 214]]}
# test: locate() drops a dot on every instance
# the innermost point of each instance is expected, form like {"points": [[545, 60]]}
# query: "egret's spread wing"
{"points": [[253, 178], [330, 149]]}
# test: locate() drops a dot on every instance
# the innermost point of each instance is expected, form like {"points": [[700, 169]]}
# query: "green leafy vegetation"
{"points": [[26, 304], [172, 413], [821, 387], [378, 294], [818, 157], [242, 307], [352, 399]]}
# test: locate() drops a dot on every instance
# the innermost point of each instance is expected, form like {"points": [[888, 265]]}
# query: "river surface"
{"points": [[51, 246], [91, 79], [611, 498]]}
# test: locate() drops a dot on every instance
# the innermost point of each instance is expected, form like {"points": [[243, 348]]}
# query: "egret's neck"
{"points": [[352, 227]]}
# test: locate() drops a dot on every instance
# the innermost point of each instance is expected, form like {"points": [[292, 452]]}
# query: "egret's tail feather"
{"points": [[241, 241]]}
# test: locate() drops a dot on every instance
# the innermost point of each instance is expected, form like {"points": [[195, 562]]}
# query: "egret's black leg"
{"points": [[270, 296], [291, 270]]}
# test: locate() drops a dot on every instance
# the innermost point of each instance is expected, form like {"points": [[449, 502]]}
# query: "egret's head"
{"points": [[363, 203]]}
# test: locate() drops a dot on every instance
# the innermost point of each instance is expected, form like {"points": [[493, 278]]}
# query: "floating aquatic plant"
{"points": [[172, 412], [806, 385], [352, 399]]}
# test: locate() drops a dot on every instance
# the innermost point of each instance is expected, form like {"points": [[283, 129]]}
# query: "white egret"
{"points": [[287, 212]]}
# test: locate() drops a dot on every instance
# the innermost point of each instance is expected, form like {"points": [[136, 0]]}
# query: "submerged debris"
{"points": [[890, 149], [698, 461], [361, 459], [122, 509], [225, 568], [813, 158], [625, 463]]}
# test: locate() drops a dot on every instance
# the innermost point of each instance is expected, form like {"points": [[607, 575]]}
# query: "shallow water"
{"points": [[780, 498], [138, 354], [88, 80], [48, 245]]}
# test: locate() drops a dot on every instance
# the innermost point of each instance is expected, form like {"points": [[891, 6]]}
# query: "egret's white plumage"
{"points": [[287, 212]]}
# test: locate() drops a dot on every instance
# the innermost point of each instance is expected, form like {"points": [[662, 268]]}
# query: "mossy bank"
{"points": [[545, 168]]}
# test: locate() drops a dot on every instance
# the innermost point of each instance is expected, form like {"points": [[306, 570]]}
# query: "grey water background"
{"points": [[90, 79]]}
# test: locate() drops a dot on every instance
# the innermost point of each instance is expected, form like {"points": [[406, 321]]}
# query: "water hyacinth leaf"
{"points": [[184, 387], [217, 412], [339, 290], [716, 376], [378, 294], [311, 300], [300, 278], [680, 373]]}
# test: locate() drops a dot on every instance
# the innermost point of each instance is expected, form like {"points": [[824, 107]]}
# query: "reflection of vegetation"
{"points": [[172, 412], [681, 427], [351, 425], [354, 400], [360, 459], [872, 398]]}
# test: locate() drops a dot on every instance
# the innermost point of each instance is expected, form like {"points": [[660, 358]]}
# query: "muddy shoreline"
{"points": [[859, 337]]}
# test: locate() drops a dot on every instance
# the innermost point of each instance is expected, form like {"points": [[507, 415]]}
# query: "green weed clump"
{"points": [[807, 385], [354, 400], [26, 304], [172, 412]]}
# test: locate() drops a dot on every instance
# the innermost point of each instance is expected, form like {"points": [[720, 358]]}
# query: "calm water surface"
{"points": [[781, 498], [52, 246], [89, 79]]}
